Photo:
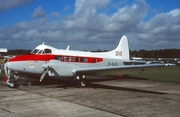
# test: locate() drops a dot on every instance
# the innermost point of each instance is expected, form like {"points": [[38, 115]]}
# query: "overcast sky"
{"points": [[90, 24]]}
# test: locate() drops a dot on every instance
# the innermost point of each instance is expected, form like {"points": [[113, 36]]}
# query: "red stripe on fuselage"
{"points": [[47, 57], [30, 57]]}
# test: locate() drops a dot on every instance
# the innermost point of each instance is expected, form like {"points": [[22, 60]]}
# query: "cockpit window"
{"points": [[35, 51], [38, 51], [47, 51]]}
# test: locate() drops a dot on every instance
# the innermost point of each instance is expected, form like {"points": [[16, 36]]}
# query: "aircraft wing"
{"points": [[114, 68]]}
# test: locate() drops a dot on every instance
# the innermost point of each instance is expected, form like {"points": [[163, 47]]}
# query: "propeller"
{"points": [[46, 69], [43, 74]]}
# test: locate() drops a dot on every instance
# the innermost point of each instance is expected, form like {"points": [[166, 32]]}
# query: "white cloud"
{"points": [[66, 8], [145, 36], [7, 4], [175, 12], [38, 12], [82, 6], [87, 26], [55, 14]]}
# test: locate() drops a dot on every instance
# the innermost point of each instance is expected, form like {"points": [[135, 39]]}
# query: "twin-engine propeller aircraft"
{"points": [[67, 63]]}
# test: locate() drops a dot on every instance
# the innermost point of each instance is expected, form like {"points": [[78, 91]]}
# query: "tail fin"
{"points": [[122, 50]]}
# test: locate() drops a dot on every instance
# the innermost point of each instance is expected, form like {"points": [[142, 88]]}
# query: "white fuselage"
{"points": [[63, 67], [62, 63]]}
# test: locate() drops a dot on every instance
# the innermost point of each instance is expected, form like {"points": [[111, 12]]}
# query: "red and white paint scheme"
{"points": [[67, 63]]}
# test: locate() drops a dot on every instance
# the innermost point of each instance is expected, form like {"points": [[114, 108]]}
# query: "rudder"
{"points": [[122, 50]]}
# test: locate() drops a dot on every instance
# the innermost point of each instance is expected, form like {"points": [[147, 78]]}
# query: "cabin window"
{"points": [[75, 59], [83, 59], [67, 58], [58, 58], [70, 58], [47, 50], [95, 60]]}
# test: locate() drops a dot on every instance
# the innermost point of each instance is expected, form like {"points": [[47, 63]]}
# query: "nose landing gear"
{"points": [[11, 84]]}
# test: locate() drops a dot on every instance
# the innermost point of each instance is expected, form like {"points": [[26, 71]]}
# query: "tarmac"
{"points": [[103, 98]]}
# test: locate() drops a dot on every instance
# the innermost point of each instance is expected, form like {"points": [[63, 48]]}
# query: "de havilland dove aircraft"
{"points": [[59, 63]]}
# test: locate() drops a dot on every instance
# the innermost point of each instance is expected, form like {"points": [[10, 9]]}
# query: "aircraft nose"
{"points": [[9, 65]]}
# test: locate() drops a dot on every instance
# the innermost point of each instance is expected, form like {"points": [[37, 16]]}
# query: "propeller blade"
{"points": [[43, 74]]}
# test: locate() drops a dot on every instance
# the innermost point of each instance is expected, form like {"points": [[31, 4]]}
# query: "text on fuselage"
{"points": [[112, 64]]}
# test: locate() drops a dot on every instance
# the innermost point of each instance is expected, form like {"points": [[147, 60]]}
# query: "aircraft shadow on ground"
{"points": [[124, 89], [91, 84]]}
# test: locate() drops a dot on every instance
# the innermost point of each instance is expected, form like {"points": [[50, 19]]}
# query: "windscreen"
{"points": [[37, 51]]}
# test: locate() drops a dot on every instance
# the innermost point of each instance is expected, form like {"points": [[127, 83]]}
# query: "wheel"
{"points": [[82, 83], [12, 85]]}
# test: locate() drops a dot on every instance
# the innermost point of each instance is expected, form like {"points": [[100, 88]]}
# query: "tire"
{"points": [[82, 84], [12, 85]]}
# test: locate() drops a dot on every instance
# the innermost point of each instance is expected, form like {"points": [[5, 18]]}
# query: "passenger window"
{"points": [[58, 58], [95, 60], [76, 60], [82, 59], [66, 58]]}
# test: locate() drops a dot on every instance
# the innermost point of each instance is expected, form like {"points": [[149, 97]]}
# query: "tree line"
{"points": [[18, 52], [166, 53]]}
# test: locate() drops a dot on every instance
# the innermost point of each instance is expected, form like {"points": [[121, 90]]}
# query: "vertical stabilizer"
{"points": [[122, 50]]}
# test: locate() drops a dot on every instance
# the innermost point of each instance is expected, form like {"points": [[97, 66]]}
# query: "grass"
{"points": [[2, 75], [165, 74]]}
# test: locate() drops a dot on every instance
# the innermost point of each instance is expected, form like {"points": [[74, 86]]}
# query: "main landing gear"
{"points": [[81, 81]]}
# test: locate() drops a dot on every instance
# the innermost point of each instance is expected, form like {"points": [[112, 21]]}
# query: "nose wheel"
{"points": [[11, 85]]}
